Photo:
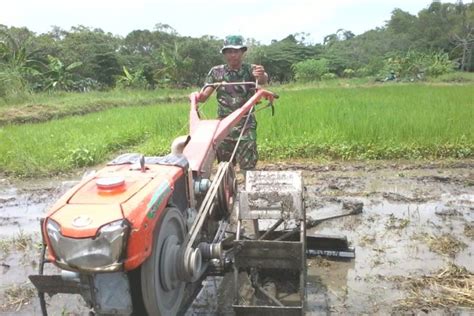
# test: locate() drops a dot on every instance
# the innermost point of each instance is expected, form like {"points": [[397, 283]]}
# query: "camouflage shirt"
{"points": [[233, 97]]}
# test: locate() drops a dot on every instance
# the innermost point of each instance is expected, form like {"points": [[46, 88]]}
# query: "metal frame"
{"points": [[283, 202]]}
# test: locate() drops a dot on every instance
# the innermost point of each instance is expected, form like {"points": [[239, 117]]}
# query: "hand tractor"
{"points": [[139, 236]]}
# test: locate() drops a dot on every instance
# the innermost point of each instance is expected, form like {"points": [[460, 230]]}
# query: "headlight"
{"points": [[101, 253]]}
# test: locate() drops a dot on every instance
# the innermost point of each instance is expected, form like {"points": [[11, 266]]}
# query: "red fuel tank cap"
{"points": [[110, 182]]}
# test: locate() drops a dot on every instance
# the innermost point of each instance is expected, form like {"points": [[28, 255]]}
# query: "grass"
{"points": [[20, 242], [455, 77], [59, 146], [18, 295], [379, 122], [449, 287], [469, 230], [408, 121], [42, 107], [445, 244]]}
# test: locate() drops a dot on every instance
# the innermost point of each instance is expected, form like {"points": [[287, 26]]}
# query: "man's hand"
{"points": [[204, 95], [259, 73]]}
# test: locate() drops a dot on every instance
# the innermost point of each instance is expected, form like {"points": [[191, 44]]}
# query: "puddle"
{"points": [[400, 205], [22, 206]]}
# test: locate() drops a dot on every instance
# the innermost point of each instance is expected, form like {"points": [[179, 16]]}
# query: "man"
{"points": [[232, 97]]}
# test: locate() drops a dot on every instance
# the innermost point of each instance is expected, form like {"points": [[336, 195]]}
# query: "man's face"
{"points": [[234, 57]]}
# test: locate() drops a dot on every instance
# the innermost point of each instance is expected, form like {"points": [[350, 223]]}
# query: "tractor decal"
{"points": [[161, 193]]}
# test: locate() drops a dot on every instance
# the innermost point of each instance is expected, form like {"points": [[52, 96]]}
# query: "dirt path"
{"points": [[417, 220]]}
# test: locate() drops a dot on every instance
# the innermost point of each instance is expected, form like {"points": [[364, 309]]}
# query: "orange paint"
{"points": [[89, 204]]}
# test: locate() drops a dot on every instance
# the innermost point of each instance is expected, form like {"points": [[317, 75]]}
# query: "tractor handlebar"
{"points": [[223, 83]]}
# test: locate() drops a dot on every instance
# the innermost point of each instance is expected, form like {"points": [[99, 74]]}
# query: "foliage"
{"points": [[310, 69], [17, 66], [348, 73], [165, 58], [328, 76], [59, 76], [415, 65], [134, 80], [279, 57]]}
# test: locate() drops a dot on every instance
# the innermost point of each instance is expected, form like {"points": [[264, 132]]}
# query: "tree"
{"points": [[97, 50], [278, 57], [463, 36]]}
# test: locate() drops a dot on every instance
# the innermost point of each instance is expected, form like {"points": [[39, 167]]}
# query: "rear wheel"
{"points": [[162, 290]]}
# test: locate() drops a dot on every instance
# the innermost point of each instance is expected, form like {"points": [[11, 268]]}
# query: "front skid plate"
{"points": [[54, 284]]}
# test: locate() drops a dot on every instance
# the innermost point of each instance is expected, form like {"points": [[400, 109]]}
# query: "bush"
{"points": [[414, 65], [310, 69], [328, 76], [348, 73], [12, 84]]}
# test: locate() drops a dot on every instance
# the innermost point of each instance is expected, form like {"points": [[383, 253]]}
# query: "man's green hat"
{"points": [[234, 41]]}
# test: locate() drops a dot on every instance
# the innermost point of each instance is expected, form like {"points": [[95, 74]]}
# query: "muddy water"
{"points": [[401, 203], [399, 207], [22, 205]]}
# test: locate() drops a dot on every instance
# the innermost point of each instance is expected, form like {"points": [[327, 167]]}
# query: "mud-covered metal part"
{"points": [[42, 261], [107, 293], [272, 195], [225, 194], [329, 246], [273, 198], [207, 206], [54, 284], [111, 294], [268, 254]]}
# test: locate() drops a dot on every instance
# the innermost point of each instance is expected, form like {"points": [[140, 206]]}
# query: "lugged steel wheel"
{"points": [[162, 290]]}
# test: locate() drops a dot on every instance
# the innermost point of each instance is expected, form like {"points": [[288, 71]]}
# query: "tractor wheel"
{"points": [[162, 290]]}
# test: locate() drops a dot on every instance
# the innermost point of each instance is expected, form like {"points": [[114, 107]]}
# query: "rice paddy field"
{"points": [[394, 121]]}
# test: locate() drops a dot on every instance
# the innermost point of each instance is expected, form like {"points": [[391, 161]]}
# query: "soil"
{"points": [[407, 208]]}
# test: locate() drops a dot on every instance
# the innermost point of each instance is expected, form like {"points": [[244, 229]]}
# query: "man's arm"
{"points": [[259, 73], [204, 95], [210, 78]]}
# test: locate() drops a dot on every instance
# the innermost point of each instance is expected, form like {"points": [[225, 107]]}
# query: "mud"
{"points": [[400, 203]]}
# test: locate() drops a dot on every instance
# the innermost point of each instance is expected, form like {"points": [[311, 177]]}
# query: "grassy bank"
{"points": [[62, 145], [42, 107], [381, 122]]}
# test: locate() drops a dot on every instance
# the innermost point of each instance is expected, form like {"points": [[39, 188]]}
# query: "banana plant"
{"points": [[132, 79], [17, 66], [59, 76]]}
